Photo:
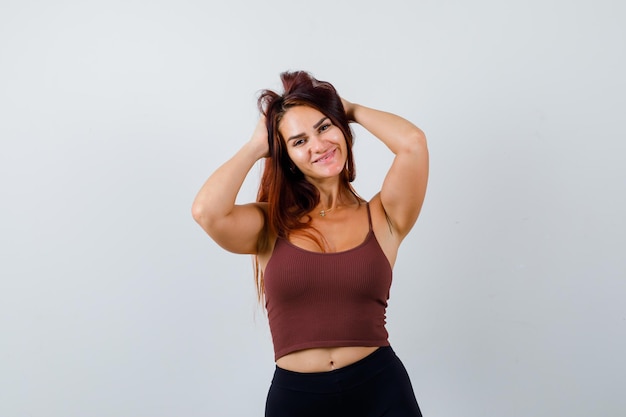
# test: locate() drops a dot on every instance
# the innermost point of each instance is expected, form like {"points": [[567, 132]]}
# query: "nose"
{"points": [[318, 145]]}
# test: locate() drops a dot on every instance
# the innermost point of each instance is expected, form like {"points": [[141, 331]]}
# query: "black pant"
{"points": [[375, 386]]}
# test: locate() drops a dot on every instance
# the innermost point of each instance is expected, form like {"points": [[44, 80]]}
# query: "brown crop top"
{"points": [[331, 299]]}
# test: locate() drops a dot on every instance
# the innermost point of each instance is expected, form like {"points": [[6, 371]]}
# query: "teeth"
{"points": [[325, 157]]}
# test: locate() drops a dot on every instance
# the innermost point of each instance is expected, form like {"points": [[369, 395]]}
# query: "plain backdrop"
{"points": [[507, 297]]}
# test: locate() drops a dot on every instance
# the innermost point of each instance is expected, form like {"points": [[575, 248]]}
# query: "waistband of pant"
{"points": [[339, 379]]}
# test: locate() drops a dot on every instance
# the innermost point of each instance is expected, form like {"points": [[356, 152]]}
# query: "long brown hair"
{"points": [[288, 194]]}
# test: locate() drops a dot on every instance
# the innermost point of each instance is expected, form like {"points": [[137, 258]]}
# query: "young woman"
{"points": [[324, 256]]}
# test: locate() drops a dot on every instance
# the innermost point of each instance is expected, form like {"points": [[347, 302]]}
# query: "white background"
{"points": [[508, 294]]}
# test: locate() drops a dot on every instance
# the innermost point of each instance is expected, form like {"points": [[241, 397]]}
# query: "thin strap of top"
{"points": [[369, 215]]}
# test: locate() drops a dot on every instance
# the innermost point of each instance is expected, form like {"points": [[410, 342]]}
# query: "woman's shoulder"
{"points": [[383, 228], [375, 204], [381, 222]]}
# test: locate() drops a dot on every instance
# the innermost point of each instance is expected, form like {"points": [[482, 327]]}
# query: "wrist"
{"points": [[352, 113], [348, 109], [255, 150]]}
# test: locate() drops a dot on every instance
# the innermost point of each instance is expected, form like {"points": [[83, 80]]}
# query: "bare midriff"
{"points": [[323, 359]]}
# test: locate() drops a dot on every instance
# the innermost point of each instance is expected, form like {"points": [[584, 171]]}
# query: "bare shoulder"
{"points": [[388, 239], [266, 239]]}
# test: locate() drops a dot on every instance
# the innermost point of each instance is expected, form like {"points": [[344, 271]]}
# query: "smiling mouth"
{"points": [[327, 156]]}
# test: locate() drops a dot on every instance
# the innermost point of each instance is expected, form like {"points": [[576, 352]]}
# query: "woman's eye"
{"points": [[298, 142], [324, 127]]}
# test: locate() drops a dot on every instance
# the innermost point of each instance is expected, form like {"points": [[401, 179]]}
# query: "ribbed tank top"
{"points": [[329, 299]]}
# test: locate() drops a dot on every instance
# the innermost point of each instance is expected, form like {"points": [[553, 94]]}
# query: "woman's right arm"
{"points": [[236, 228]]}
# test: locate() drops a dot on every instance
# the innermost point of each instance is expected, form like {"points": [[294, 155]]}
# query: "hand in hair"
{"points": [[348, 107], [260, 138]]}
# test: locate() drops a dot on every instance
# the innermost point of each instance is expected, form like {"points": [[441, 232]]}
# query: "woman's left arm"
{"points": [[404, 187]]}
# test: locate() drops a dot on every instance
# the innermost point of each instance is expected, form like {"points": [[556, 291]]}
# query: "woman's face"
{"points": [[314, 143]]}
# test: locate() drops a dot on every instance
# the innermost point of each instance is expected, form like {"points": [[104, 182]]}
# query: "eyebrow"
{"points": [[315, 126]]}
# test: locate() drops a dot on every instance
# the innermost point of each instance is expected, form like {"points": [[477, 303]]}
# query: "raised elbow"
{"points": [[419, 137], [196, 213], [415, 141], [200, 214]]}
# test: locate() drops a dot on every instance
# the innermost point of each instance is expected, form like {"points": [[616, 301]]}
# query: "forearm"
{"points": [[397, 133]]}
